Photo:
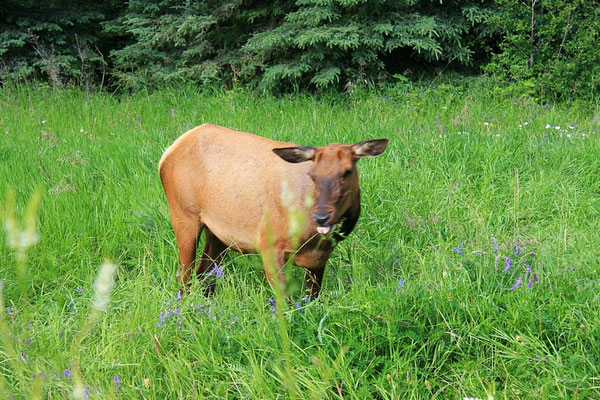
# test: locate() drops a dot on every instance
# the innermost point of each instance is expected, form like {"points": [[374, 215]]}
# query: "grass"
{"points": [[415, 302]]}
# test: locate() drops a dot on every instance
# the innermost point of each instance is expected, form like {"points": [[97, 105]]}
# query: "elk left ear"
{"points": [[369, 148]]}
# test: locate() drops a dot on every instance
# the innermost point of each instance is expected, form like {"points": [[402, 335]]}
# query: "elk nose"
{"points": [[322, 218]]}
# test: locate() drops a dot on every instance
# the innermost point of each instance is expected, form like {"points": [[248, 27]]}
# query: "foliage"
{"points": [[549, 47], [325, 43], [54, 40], [175, 42], [466, 171]]}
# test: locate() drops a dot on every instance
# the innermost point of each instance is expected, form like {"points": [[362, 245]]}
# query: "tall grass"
{"points": [[474, 194]]}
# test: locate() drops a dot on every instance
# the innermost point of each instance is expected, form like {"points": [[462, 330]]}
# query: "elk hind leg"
{"points": [[213, 254]]}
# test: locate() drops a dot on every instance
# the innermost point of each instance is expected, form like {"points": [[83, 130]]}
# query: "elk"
{"points": [[228, 184]]}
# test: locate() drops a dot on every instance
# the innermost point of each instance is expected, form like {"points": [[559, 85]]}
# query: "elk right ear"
{"points": [[296, 154]]}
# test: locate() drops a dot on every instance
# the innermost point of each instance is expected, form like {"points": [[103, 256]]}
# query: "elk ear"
{"points": [[369, 148], [296, 154]]}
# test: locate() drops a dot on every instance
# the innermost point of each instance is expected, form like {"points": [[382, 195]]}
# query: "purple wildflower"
{"points": [[67, 373], [517, 284], [272, 303], [86, 394], [219, 273], [214, 269], [529, 283], [507, 263], [535, 277], [517, 251], [8, 311], [116, 382], [43, 375], [79, 289], [234, 320], [299, 307], [23, 358], [462, 245], [172, 111], [401, 282], [458, 251], [178, 295], [496, 248], [70, 304], [162, 318], [57, 374]]}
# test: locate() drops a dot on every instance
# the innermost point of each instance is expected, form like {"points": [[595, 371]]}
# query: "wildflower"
{"points": [[458, 251], [116, 382], [272, 303], [557, 128], [507, 264], [8, 311], [517, 284], [401, 282], [79, 289], [214, 269], [23, 358], [496, 249], [517, 251], [67, 373], [548, 126], [103, 285], [299, 308], [529, 283], [172, 111], [178, 295], [219, 273], [70, 304]]}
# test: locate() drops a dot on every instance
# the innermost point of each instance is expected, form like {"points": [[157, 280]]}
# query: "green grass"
{"points": [[462, 167]]}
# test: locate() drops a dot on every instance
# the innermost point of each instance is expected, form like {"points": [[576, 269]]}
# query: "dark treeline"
{"points": [[542, 48]]}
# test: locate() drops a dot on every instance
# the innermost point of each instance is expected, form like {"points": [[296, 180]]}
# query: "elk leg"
{"points": [[214, 252], [273, 262], [187, 231], [313, 280]]}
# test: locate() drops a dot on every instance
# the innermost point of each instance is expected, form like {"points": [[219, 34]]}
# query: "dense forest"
{"points": [[541, 48]]}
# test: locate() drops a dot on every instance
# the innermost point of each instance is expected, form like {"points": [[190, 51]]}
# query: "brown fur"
{"points": [[226, 182]]}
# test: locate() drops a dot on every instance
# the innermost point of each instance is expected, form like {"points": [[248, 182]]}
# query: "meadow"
{"points": [[473, 270]]}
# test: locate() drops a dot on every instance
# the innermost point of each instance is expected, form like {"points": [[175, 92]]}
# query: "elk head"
{"points": [[334, 173]]}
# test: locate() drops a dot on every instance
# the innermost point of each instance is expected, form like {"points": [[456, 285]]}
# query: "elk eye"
{"points": [[348, 173]]}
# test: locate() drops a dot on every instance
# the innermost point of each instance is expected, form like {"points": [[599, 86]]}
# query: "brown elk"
{"points": [[229, 184]]}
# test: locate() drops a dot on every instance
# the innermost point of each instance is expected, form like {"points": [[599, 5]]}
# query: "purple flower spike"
{"points": [[458, 251], [401, 283], [86, 394], [219, 273], [116, 382], [214, 269], [496, 248], [178, 295], [462, 245], [517, 251], [535, 277], [8, 311], [517, 284], [507, 264], [79, 289], [530, 283], [538, 357], [67, 373], [299, 308]]}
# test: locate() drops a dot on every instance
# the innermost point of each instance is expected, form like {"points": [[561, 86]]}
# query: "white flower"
{"points": [[557, 128], [103, 285], [548, 126], [43, 121], [486, 124], [569, 135]]}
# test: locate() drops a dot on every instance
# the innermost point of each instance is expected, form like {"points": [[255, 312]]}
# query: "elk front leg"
{"points": [[313, 280]]}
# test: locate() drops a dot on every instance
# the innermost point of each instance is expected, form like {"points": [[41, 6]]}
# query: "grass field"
{"points": [[474, 194]]}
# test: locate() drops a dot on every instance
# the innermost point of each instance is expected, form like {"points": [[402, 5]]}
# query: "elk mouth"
{"points": [[326, 229]]}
